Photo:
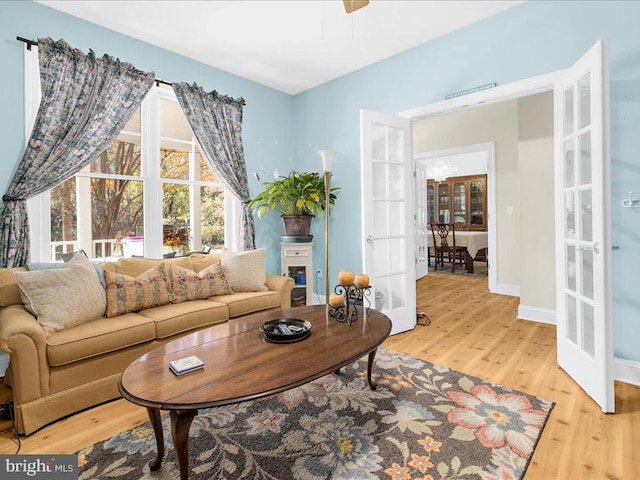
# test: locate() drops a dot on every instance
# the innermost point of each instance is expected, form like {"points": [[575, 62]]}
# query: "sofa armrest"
{"points": [[283, 285], [22, 337]]}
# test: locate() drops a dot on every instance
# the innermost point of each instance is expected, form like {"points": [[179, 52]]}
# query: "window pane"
{"points": [[176, 216], [212, 204], [173, 123], [122, 157], [133, 125], [117, 218], [568, 163], [584, 142], [174, 164], [568, 111], [63, 219], [206, 175]]}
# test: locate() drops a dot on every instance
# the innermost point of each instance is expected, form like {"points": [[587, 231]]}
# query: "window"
{"points": [[149, 193]]}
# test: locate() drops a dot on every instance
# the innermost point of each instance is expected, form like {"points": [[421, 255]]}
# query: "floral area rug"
{"points": [[423, 422]]}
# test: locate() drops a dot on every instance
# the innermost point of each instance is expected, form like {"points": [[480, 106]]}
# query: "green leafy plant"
{"points": [[296, 194]]}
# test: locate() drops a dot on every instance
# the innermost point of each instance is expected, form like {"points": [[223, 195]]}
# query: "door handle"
{"points": [[595, 247], [371, 239]]}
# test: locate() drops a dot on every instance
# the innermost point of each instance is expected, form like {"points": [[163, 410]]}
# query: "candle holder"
{"points": [[353, 296]]}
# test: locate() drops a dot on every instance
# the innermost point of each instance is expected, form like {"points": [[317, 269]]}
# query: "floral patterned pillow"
{"points": [[128, 294], [189, 285]]}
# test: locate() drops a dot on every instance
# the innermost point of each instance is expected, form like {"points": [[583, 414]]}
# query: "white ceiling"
{"points": [[289, 45]]}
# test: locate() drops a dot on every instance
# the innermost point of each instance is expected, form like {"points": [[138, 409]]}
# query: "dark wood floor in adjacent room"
{"points": [[472, 331]]}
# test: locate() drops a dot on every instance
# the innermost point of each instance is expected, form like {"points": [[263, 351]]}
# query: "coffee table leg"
{"points": [[372, 355], [156, 423], [180, 423]]}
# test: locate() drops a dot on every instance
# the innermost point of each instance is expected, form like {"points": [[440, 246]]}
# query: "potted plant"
{"points": [[298, 197]]}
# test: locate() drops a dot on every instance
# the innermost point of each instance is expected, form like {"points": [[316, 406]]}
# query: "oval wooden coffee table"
{"points": [[240, 365]]}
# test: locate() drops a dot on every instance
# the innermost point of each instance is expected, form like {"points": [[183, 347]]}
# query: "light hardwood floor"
{"points": [[471, 331]]}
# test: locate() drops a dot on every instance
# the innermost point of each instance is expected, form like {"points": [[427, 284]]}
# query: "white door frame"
{"points": [[490, 149]]}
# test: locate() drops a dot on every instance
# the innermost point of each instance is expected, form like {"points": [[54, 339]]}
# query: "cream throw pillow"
{"points": [[64, 297], [245, 271]]}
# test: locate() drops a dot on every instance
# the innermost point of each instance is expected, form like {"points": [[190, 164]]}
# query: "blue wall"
{"points": [[531, 39], [267, 115]]}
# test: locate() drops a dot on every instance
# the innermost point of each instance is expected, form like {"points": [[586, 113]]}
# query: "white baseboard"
{"points": [[626, 371], [536, 314], [4, 363], [511, 290]]}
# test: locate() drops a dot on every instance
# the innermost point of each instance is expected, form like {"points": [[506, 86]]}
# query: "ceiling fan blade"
{"points": [[353, 5]]}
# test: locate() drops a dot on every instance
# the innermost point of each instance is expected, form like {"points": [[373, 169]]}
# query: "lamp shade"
{"points": [[327, 159]]}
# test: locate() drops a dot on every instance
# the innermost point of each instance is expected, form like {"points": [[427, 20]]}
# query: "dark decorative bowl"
{"points": [[286, 330]]}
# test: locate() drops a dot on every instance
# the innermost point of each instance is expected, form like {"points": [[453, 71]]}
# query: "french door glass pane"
{"points": [[586, 215], [398, 283], [379, 144], [572, 319], [584, 89], [396, 182], [396, 144], [398, 255], [396, 218], [571, 268], [570, 215], [381, 256], [568, 111], [568, 163], [383, 295], [379, 180], [584, 144], [587, 274], [381, 219], [588, 329]]}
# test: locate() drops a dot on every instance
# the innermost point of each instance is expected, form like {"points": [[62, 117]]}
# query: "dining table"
{"points": [[473, 240]]}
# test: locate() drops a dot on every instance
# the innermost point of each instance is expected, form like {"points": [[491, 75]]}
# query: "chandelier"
{"points": [[440, 170]]}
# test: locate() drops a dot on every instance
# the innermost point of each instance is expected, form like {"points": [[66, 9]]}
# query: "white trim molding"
{"points": [[626, 371], [536, 314], [511, 290]]}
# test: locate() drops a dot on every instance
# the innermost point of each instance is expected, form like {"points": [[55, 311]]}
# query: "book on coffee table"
{"points": [[184, 365]]}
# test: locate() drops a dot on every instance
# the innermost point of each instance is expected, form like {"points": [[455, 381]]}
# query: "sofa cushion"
{"points": [[245, 271], [64, 297], [128, 294], [135, 266], [189, 285], [98, 337], [242, 303], [200, 261], [182, 317]]}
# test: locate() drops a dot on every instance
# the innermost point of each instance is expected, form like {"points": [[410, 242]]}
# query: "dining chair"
{"points": [[444, 241]]}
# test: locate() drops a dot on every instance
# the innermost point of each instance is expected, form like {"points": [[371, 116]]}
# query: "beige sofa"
{"points": [[70, 370]]}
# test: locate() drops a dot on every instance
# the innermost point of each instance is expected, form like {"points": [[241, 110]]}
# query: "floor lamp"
{"points": [[327, 160]]}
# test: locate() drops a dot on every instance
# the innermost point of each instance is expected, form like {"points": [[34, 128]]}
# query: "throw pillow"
{"points": [[63, 297], [131, 294], [53, 266], [189, 285], [245, 271]]}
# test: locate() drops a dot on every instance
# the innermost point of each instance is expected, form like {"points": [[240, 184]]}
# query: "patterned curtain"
{"points": [[216, 121], [86, 102]]}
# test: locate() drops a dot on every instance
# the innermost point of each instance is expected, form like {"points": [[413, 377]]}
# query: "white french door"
{"points": [[387, 215], [583, 225], [420, 221]]}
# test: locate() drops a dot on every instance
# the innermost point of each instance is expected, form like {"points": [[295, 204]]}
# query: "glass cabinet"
{"points": [[461, 200]]}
